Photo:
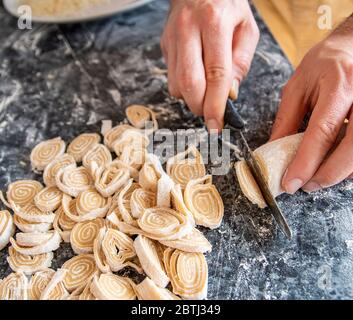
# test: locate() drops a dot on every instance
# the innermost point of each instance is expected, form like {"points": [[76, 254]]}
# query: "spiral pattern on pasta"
{"points": [[138, 115], [130, 138], [86, 293], [7, 228], [45, 152], [164, 224], [186, 166], [63, 224], [188, 273], [148, 178], [99, 154], [52, 169], [29, 264], [134, 158], [150, 255], [73, 180], [22, 192], [14, 287], [205, 203], [140, 200], [118, 250], [90, 203], [27, 226], [109, 286], [55, 290], [48, 199], [80, 269], [114, 133], [83, 235], [82, 144], [123, 200], [110, 180], [39, 281]]}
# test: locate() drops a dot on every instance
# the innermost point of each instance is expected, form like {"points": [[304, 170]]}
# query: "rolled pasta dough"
{"points": [[273, 159]]}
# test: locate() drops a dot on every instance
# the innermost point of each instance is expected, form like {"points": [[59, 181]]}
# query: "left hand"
{"points": [[323, 83]]}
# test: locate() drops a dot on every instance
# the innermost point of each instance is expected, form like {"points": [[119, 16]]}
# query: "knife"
{"points": [[234, 121]]}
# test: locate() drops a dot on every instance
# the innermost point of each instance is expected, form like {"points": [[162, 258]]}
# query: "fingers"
{"points": [[217, 51], [292, 110], [337, 167], [245, 39], [190, 74], [322, 131], [169, 50]]}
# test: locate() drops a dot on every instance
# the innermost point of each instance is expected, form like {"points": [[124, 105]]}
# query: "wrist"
{"points": [[344, 31]]}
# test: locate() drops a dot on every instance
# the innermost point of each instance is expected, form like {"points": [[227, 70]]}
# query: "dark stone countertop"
{"points": [[63, 80]]}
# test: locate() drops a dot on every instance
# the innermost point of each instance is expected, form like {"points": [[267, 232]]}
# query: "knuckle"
{"points": [[212, 14], [216, 74], [327, 131], [243, 65], [183, 17], [187, 82]]}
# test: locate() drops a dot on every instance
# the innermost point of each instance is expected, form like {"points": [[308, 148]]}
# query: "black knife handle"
{"points": [[232, 116]]}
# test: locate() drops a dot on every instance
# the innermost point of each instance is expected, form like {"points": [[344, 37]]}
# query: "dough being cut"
{"points": [[273, 158]]}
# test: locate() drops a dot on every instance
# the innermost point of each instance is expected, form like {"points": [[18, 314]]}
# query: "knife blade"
{"points": [[234, 121]]}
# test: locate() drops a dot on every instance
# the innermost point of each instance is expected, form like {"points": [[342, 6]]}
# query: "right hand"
{"points": [[208, 46]]}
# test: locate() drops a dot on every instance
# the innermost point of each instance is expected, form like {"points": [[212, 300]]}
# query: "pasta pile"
{"points": [[116, 212]]}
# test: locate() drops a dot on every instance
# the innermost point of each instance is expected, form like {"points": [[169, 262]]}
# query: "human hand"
{"points": [[208, 46], [323, 83]]}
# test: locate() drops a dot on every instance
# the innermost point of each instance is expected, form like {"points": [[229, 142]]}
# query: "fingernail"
{"points": [[234, 90], [293, 186], [311, 186], [213, 124]]}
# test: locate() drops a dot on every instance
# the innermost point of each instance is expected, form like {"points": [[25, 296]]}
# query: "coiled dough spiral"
{"points": [[80, 269], [73, 181], [29, 264], [55, 290], [39, 281], [22, 192], [63, 224], [7, 228], [14, 287], [140, 200], [83, 235], [138, 115], [99, 154], [108, 286], [52, 169], [82, 144], [114, 133], [203, 200], [186, 166], [109, 180], [45, 152], [48, 199], [188, 273], [116, 250]]}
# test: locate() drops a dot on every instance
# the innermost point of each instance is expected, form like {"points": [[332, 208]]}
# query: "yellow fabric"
{"points": [[294, 23]]}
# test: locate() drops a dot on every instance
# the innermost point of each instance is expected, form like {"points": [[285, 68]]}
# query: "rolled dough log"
{"points": [[273, 158]]}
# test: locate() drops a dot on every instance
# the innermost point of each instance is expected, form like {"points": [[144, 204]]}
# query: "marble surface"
{"points": [[63, 80]]}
